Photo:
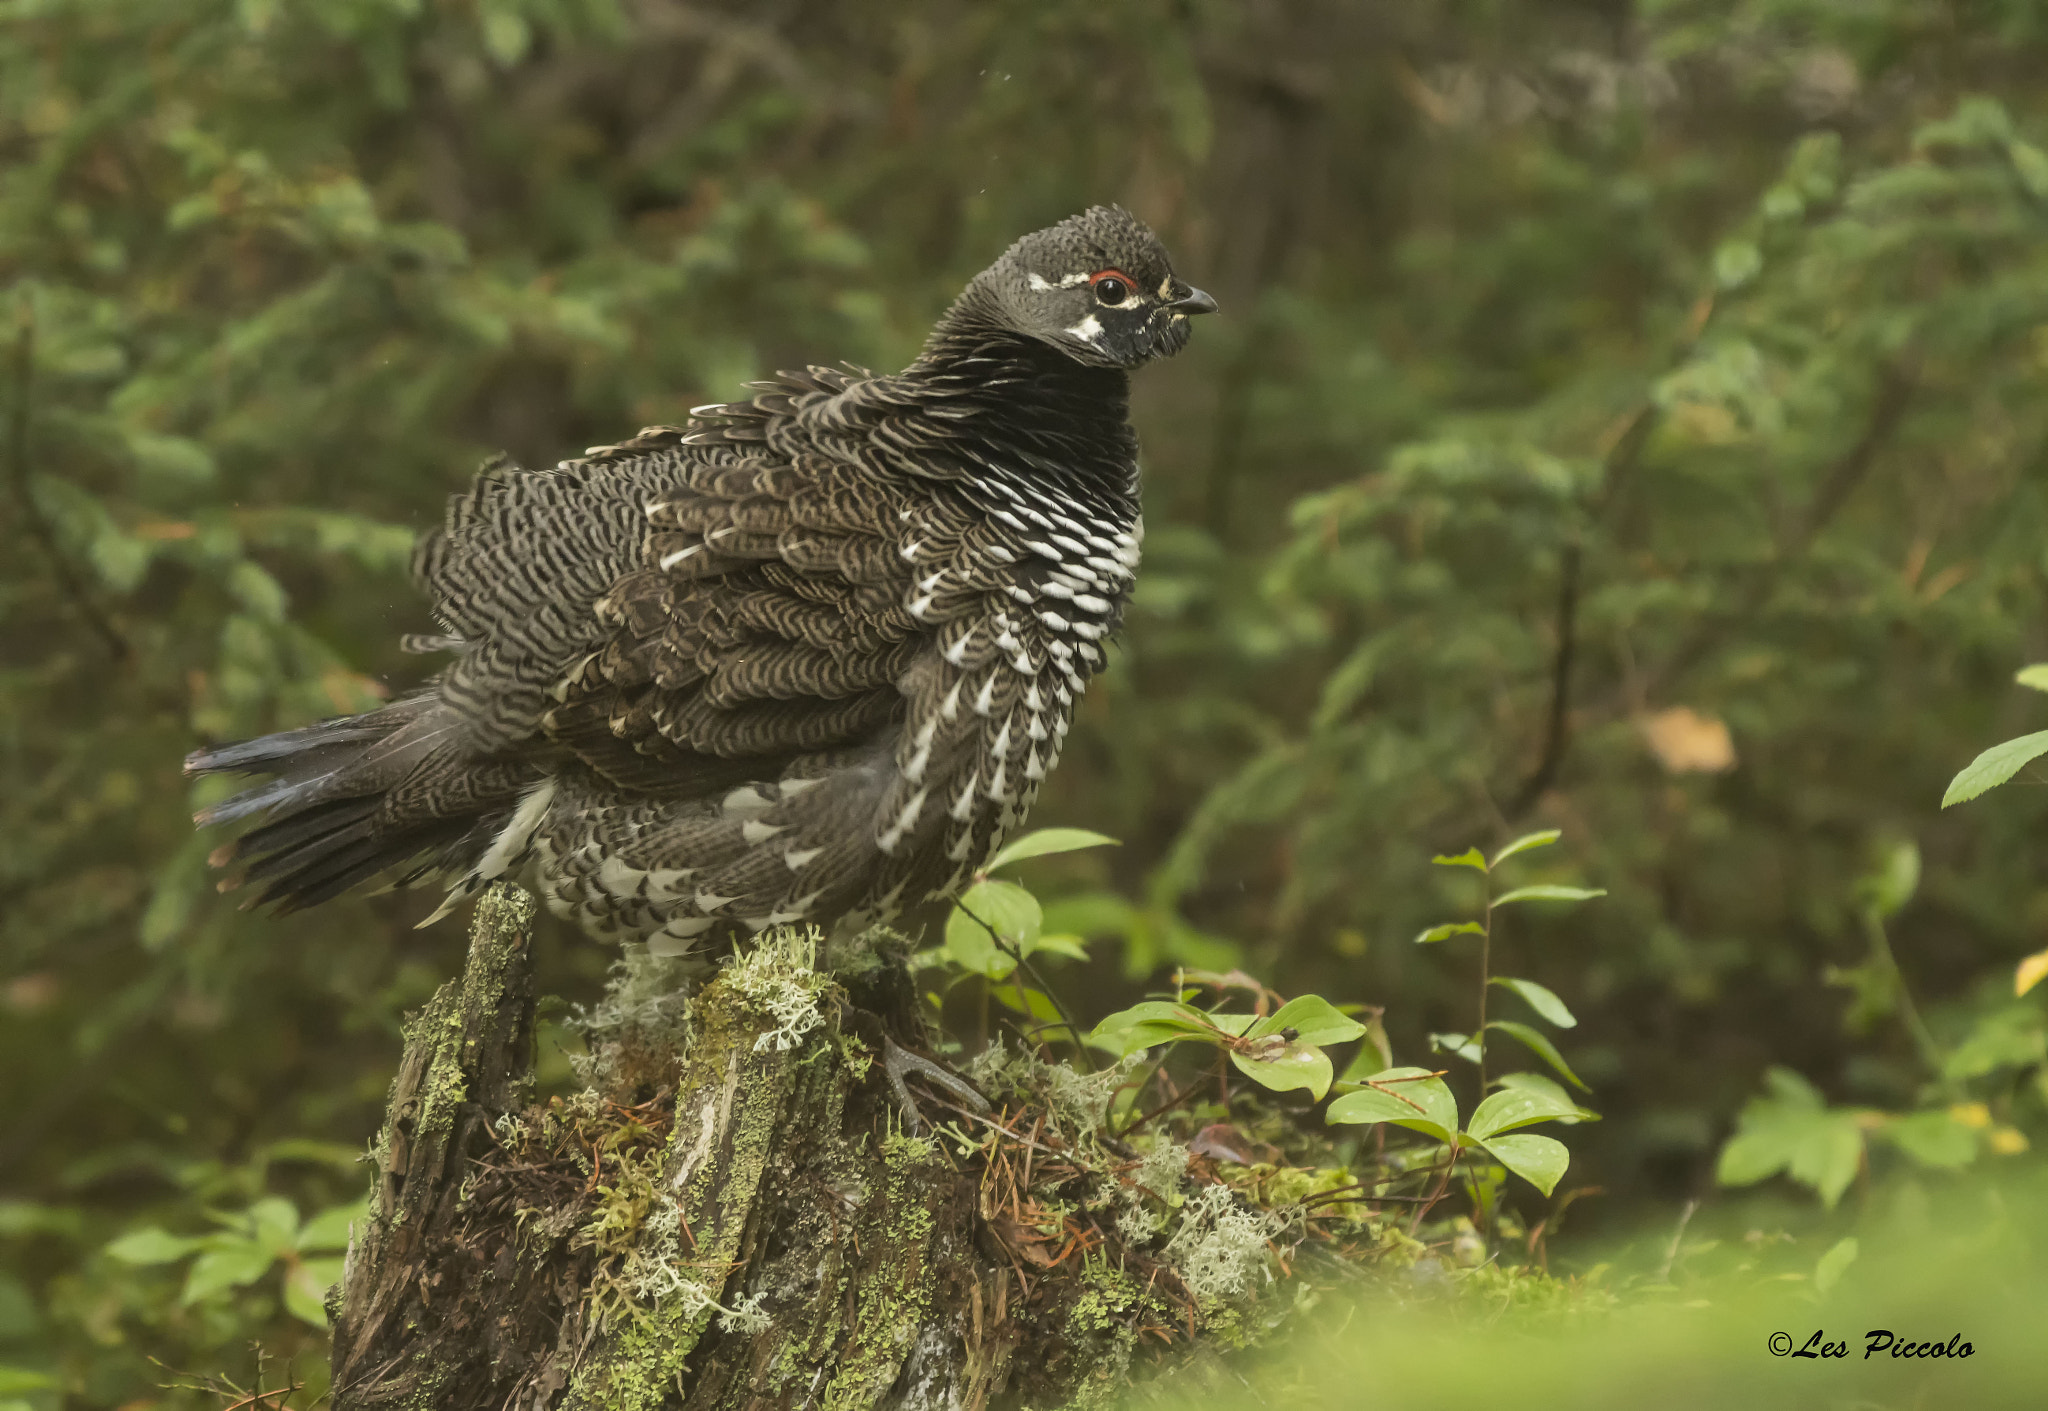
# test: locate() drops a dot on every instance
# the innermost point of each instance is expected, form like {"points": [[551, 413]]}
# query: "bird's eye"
{"points": [[1111, 286]]}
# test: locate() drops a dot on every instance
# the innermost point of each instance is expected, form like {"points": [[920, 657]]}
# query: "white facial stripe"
{"points": [[1166, 289], [1067, 281], [1088, 330]]}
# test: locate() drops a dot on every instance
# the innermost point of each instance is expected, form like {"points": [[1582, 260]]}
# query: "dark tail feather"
{"points": [[332, 821]]}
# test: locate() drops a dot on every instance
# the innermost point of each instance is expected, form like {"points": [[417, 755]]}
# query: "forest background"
{"points": [[1624, 418]]}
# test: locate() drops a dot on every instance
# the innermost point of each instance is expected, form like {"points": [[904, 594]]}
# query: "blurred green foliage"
{"points": [[1627, 419]]}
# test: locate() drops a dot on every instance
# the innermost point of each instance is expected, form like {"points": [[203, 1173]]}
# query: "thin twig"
{"points": [[1677, 1236], [1895, 388], [1557, 735], [1023, 963], [68, 582]]}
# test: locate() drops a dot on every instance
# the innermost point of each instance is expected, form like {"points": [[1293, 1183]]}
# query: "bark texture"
{"points": [[734, 1214]]}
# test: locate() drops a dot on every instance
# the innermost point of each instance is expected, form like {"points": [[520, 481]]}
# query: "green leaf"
{"points": [[1034, 1002], [1932, 1139], [1463, 1046], [275, 1223], [1007, 909], [1518, 1107], [1045, 841], [1828, 1272], [1448, 930], [1424, 1104], [2035, 677], [1543, 1001], [1149, 1024], [16, 1380], [2030, 164], [231, 1263], [152, 1246], [1549, 1088], [1545, 1049], [1314, 1021], [1066, 944], [1547, 891], [1793, 1131], [1993, 767], [1541, 1161], [1891, 885], [305, 1289], [1276, 1064], [1736, 262], [1527, 841], [329, 1229], [1471, 857]]}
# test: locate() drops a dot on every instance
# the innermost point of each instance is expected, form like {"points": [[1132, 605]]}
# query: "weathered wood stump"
{"points": [[735, 1214]]}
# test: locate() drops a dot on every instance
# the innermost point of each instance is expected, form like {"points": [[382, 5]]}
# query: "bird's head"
{"points": [[1098, 286]]}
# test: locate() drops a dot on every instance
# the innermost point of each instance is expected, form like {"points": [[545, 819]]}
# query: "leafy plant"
{"points": [[1419, 1100], [249, 1245], [1547, 1006], [1992, 768], [1281, 1051], [1790, 1129]]}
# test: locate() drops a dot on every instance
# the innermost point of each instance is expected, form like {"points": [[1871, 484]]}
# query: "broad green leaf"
{"points": [[1993, 767], [1281, 1066], [1518, 1107], [1793, 1131], [1543, 1001], [305, 1289], [1448, 930], [16, 1380], [1003, 907], [1471, 857], [1541, 1161], [2035, 677], [1548, 891], [1046, 841], [329, 1229], [1424, 1103], [1149, 1024], [229, 1264], [1828, 1272], [1066, 944], [1545, 1049], [275, 1223], [1527, 841], [1034, 1002], [1314, 1021], [152, 1246], [1548, 1088], [1932, 1139]]}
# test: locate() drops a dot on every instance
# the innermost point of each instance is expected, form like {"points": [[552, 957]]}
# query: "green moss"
{"points": [[732, 1096], [892, 1296]]}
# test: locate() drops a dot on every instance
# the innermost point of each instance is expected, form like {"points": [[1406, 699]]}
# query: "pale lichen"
{"points": [[780, 979], [1219, 1250]]}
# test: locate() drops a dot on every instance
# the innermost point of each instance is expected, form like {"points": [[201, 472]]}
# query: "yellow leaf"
{"points": [[2032, 971], [1971, 1114], [1686, 742], [2008, 1141]]}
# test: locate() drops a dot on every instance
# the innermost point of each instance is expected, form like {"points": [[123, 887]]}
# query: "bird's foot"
{"points": [[899, 1063]]}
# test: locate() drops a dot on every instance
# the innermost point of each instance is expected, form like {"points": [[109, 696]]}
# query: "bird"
{"points": [[803, 659]]}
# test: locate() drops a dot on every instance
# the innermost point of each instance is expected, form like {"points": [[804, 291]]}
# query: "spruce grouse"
{"points": [[806, 659]]}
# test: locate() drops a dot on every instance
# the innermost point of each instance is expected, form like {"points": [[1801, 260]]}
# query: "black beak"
{"points": [[1193, 302]]}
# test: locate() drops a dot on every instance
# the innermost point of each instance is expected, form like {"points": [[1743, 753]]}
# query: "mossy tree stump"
{"points": [[733, 1214]]}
